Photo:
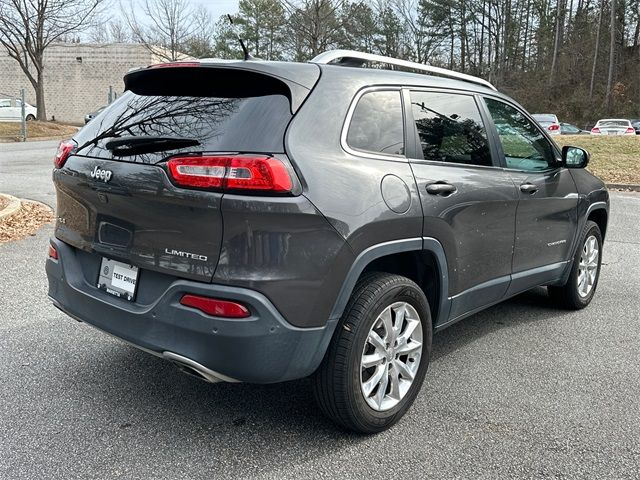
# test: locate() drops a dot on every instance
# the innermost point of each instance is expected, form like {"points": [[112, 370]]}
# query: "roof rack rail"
{"points": [[353, 58]]}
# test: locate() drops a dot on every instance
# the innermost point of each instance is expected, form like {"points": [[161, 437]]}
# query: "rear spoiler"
{"points": [[225, 79]]}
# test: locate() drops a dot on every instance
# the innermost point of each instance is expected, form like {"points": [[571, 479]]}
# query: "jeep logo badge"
{"points": [[99, 174]]}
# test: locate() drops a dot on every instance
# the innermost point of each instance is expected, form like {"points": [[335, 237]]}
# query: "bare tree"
{"points": [[166, 27], [28, 27]]}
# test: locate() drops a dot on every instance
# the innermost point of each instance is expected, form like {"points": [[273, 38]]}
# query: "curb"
{"points": [[624, 186], [13, 207], [34, 139]]}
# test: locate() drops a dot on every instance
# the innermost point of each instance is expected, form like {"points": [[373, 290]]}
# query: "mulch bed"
{"points": [[25, 222]]}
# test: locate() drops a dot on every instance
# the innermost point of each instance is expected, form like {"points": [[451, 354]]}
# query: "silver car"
{"points": [[11, 110], [613, 126]]}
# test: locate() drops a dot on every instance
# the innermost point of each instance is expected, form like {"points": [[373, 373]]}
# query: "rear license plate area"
{"points": [[118, 279]]}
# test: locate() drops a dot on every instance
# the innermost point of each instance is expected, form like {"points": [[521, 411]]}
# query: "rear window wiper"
{"points": [[133, 145]]}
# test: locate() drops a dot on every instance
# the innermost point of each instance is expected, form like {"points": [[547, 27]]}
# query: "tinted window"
{"points": [[220, 124], [376, 124], [450, 128], [524, 146]]}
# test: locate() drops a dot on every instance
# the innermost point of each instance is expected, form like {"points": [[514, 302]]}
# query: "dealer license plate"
{"points": [[118, 279]]}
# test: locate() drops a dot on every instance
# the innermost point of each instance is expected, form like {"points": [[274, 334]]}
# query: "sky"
{"points": [[218, 7]]}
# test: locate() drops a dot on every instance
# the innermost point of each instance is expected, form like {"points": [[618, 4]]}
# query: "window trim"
{"points": [[502, 157], [411, 124], [347, 123]]}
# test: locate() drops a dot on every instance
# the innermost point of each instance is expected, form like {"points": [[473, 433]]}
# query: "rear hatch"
{"points": [[115, 195]]}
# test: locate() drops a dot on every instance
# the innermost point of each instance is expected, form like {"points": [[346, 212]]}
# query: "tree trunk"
{"points": [[612, 56], [40, 103], [556, 42], [596, 49]]}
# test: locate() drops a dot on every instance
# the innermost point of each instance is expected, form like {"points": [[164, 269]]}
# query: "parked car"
{"points": [[613, 126], [549, 122], [90, 116], [11, 110], [569, 129], [635, 123], [256, 221]]}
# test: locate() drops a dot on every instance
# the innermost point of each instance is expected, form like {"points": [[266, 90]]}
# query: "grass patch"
{"points": [[613, 159], [37, 129]]}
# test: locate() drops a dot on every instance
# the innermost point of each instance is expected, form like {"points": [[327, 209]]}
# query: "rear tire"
{"points": [[30, 118], [381, 346], [578, 292]]}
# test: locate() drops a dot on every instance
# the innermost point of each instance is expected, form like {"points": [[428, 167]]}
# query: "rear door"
{"points": [[469, 202], [120, 201], [547, 209]]}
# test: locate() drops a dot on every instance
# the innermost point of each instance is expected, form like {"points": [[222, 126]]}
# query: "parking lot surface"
{"points": [[520, 390]]}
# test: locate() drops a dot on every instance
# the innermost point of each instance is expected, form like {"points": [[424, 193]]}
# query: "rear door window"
{"points": [[377, 124], [450, 128]]}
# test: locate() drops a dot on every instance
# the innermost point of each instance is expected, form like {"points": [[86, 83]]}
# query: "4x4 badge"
{"points": [[100, 174]]}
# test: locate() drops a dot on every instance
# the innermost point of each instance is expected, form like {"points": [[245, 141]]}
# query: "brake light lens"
{"points": [[215, 307], [554, 127], [260, 174], [52, 252], [595, 130], [631, 130], [64, 150]]}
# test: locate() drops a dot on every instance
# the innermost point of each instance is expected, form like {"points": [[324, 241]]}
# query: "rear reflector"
{"points": [[554, 127], [260, 174], [52, 252], [64, 150], [595, 130], [215, 307]]}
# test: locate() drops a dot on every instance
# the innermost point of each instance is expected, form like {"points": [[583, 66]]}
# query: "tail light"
{"points": [[554, 127], [215, 307], [595, 130], [630, 130], [52, 252], [64, 150], [259, 174]]}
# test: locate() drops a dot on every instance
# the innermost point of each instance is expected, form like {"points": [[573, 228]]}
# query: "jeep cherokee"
{"points": [[255, 221]]}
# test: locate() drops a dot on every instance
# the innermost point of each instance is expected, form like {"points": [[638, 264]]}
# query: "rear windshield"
{"points": [[544, 118], [219, 124], [613, 123]]}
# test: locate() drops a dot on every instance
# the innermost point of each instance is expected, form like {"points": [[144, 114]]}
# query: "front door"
{"points": [[469, 202], [547, 210]]}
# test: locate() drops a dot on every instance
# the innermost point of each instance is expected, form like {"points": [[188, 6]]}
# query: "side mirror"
{"points": [[574, 157]]}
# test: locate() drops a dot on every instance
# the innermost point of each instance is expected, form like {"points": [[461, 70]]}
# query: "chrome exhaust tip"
{"points": [[193, 368]]}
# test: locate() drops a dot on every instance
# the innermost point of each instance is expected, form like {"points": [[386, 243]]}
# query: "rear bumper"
{"points": [[263, 348]]}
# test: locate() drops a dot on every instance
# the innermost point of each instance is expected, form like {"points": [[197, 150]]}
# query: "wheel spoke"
{"points": [[409, 348], [372, 360], [388, 325], [404, 370], [377, 342], [394, 392], [382, 387], [370, 384]]}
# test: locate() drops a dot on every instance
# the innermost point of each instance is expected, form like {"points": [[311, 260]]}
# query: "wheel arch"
{"points": [[420, 259], [600, 216]]}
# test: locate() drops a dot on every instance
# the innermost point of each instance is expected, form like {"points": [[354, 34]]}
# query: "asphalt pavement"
{"points": [[521, 390]]}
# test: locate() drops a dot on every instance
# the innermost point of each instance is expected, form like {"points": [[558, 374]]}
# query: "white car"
{"points": [[613, 126], [11, 110], [549, 122]]}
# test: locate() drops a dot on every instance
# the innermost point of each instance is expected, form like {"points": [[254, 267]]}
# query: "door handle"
{"points": [[441, 188], [529, 188]]}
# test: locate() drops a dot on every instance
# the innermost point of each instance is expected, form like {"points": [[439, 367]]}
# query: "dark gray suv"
{"points": [[259, 222]]}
